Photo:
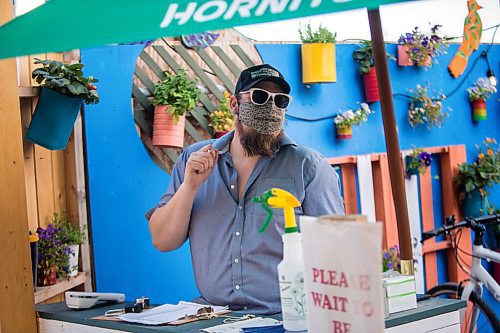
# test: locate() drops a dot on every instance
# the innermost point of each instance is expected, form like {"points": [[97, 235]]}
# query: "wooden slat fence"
{"points": [[449, 157], [215, 69]]}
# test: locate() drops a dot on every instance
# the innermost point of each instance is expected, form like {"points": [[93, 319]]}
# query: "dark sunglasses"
{"points": [[260, 97]]}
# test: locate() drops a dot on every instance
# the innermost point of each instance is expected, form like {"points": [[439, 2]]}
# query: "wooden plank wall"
{"points": [[450, 157], [50, 176], [16, 284]]}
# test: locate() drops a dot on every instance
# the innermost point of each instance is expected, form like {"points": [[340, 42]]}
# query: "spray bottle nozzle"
{"points": [[278, 198], [263, 201]]}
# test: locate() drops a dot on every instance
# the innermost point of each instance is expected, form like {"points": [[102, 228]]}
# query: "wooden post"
{"points": [[392, 142], [17, 306]]}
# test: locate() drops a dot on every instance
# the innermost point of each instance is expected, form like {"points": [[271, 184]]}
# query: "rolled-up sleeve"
{"points": [[176, 180], [322, 194]]}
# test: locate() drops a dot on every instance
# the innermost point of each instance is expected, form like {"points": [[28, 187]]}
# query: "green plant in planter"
{"points": [[53, 253], [484, 172], [71, 234], [321, 35], [426, 110], [66, 79], [421, 46], [481, 90], [417, 162], [177, 91], [222, 120], [364, 56]]}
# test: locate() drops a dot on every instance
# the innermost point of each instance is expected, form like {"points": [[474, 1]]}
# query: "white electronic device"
{"points": [[85, 300]]}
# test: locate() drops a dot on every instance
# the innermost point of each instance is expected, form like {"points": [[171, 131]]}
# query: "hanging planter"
{"points": [[318, 63], [364, 57], [478, 94], [425, 110], [344, 133], [53, 119], [479, 110], [417, 48], [417, 162], [318, 55], [474, 205], [403, 56], [64, 89], [167, 132], [473, 179], [175, 95], [371, 86], [345, 120]]}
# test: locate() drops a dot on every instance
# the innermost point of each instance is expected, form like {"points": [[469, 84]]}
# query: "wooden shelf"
{"points": [[44, 293], [27, 92]]}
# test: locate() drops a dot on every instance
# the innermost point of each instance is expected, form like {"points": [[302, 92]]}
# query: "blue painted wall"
{"points": [[124, 182]]}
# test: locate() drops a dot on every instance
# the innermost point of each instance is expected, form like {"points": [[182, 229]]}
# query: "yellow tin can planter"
{"points": [[318, 63]]}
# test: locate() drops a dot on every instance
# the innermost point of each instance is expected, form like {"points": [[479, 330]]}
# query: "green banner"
{"points": [[61, 25]]}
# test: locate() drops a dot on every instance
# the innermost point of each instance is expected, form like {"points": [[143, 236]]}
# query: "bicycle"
{"points": [[478, 276]]}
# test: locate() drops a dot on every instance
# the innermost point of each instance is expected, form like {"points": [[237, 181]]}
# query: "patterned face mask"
{"points": [[265, 119]]}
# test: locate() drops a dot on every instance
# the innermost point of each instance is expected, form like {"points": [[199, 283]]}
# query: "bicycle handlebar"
{"points": [[473, 223]]}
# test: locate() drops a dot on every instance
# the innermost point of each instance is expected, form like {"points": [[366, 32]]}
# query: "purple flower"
{"points": [[390, 265], [426, 158], [415, 50]]}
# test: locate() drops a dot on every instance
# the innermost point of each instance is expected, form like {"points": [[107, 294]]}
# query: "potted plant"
{"points": [[222, 121], [391, 259], [52, 255], [318, 55], [64, 89], [364, 56], [417, 162], [173, 97], [473, 179], [426, 110], [478, 94], [417, 48], [73, 238], [345, 120]]}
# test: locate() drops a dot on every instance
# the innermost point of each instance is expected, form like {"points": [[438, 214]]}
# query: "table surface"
{"points": [[59, 311]]}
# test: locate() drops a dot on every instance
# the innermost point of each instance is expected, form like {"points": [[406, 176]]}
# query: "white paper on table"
{"points": [[237, 326], [167, 313]]}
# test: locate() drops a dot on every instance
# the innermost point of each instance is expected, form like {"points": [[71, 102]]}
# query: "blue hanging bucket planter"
{"points": [[474, 205], [53, 119], [410, 171]]}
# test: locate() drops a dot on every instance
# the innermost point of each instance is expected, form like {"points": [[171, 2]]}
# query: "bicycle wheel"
{"points": [[454, 289]]}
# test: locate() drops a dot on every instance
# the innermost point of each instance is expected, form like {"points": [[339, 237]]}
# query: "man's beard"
{"points": [[255, 143]]}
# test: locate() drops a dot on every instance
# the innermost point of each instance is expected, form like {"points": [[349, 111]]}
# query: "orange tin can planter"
{"points": [[166, 132], [318, 63]]}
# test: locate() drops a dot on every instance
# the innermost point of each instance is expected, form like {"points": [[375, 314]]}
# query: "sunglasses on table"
{"points": [[260, 97]]}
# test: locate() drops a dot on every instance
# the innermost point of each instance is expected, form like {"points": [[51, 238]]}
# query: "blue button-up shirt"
{"points": [[233, 263]]}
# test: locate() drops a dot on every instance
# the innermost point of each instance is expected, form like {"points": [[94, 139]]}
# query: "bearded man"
{"points": [[209, 198]]}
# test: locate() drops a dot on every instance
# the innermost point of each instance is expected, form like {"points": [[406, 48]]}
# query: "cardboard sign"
{"points": [[343, 270]]}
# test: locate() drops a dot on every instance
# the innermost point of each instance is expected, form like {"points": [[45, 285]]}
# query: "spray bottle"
{"points": [[291, 269]]}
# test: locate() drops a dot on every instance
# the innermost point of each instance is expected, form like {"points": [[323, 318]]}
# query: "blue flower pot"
{"points": [[53, 119], [474, 204], [418, 104], [410, 171]]}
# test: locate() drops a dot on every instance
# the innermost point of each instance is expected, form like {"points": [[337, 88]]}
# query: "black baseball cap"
{"points": [[253, 75]]}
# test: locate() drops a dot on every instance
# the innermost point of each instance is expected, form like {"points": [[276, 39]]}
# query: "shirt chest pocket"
{"points": [[287, 184]]}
